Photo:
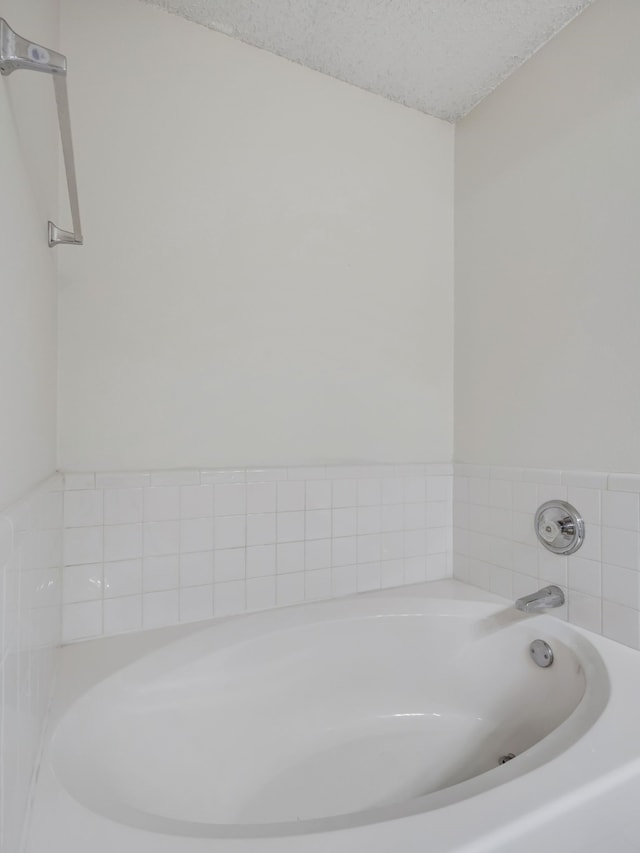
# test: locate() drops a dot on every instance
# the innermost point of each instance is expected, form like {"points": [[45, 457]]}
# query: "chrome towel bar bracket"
{"points": [[18, 53]]}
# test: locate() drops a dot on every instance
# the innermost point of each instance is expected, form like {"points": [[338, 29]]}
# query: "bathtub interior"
{"points": [[308, 727]]}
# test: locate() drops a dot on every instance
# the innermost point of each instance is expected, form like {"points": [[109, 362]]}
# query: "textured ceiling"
{"points": [[439, 56]]}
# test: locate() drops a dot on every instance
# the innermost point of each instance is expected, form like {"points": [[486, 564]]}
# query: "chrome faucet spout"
{"points": [[543, 599]]}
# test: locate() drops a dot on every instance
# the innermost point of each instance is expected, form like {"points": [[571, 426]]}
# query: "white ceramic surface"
{"points": [[313, 696]]}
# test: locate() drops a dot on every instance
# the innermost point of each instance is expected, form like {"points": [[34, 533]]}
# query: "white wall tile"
{"points": [[186, 477], [230, 499], [318, 494], [196, 603], [290, 526], [370, 492], [230, 531], [83, 545], [318, 524], [290, 496], [160, 538], [265, 475], [161, 503], [619, 547], [621, 509], [196, 569], [290, 589], [603, 578], [392, 545], [123, 506], [392, 517], [196, 534], [317, 584], [585, 611], [621, 623], [81, 621], [123, 614], [229, 598], [160, 608], [261, 593], [196, 501], [317, 554], [261, 497], [122, 480], [392, 490], [415, 570], [122, 578], [160, 573], [344, 521], [122, 542], [83, 508], [585, 575], [621, 586], [82, 583], [229, 565], [370, 518], [525, 497], [344, 580], [79, 480], [391, 573], [239, 529], [345, 493], [261, 560], [439, 489], [291, 557], [261, 529]]}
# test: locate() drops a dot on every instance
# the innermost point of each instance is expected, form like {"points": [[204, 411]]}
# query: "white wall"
{"points": [[267, 276], [548, 253], [28, 177]]}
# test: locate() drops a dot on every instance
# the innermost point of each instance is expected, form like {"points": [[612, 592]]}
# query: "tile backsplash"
{"points": [[495, 546], [148, 549], [30, 585]]}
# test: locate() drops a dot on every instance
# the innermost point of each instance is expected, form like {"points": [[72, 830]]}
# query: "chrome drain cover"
{"points": [[541, 653]]}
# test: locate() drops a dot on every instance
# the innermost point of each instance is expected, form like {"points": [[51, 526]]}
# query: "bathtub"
{"points": [[369, 723]]}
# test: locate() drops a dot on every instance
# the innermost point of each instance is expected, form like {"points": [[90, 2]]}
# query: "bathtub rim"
{"points": [[607, 761]]}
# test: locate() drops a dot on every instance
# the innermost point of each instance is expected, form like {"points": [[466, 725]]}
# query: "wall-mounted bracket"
{"points": [[18, 53]]}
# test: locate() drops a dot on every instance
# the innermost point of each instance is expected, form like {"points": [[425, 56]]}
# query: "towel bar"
{"points": [[19, 53]]}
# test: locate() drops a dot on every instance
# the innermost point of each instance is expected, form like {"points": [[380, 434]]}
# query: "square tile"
{"points": [[161, 503], [196, 534], [123, 506], [261, 529], [160, 538], [290, 496], [229, 565], [83, 508], [122, 578], [291, 557], [290, 589], [82, 583], [123, 614], [261, 593], [160, 609], [196, 501], [229, 598], [261, 560], [230, 532], [161, 573], [196, 603], [122, 542], [261, 498], [196, 569], [290, 526]]}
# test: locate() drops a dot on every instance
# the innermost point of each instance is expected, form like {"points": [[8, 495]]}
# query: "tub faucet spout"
{"points": [[543, 599]]}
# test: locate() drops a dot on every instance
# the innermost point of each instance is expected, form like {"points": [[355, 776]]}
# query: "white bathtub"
{"points": [[370, 723]]}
